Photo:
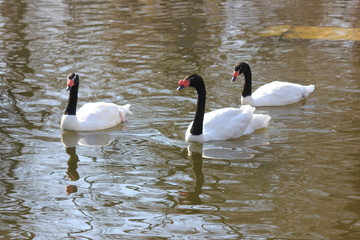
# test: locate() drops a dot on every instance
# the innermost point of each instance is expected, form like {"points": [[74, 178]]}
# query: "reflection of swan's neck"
{"points": [[199, 176], [72, 164], [71, 151], [195, 153]]}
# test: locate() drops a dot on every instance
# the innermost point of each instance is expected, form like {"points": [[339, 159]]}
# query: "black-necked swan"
{"points": [[91, 116], [272, 94], [220, 124]]}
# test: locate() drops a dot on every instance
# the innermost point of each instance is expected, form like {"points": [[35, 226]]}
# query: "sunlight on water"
{"points": [[307, 32]]}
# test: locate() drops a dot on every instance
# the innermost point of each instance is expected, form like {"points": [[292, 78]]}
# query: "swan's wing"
{"points": [[97, 110], [227, 123], [98, 115], [280, 93]]}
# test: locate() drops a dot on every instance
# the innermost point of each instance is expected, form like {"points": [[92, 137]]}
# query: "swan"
{"points": [[272, 94], [91, 116], [220, 124]]}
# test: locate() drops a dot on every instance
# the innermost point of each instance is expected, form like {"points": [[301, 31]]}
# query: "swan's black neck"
{"points": [[73, 96], [197, 127], [247, 87]]}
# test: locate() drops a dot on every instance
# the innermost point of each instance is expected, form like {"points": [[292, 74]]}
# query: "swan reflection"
{"points": [[72, 173], [193, 197], [90, 139], [221, 151], [71, 139]]}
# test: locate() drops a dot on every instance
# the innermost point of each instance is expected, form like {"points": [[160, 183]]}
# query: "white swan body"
{"points": [[278, 94], [228, 123], [95, 116], [272, 94], [91, 116], [221, 124]]}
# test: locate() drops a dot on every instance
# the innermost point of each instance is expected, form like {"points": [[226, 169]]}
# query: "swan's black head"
{"points": [[72, 80], [240, 68], [192, 80]]}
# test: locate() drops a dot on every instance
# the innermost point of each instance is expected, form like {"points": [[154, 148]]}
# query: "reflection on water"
{"points": [[192, 198], [71, 139], [297, 179], [91, 139], [73, 175]]}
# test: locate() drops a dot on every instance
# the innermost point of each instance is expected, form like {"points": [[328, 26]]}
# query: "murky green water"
{"points": [[297, 179]]}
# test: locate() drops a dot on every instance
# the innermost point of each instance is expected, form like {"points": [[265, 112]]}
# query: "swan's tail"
{"points": [[309, 89], [258, 121], [123, 110]]}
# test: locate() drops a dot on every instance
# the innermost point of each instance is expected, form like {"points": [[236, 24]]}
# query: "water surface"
{"points": [[297, 179]]}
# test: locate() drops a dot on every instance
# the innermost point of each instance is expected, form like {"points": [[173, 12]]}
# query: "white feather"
{"points": [[96, 116], [228, 123], [278, 94]]}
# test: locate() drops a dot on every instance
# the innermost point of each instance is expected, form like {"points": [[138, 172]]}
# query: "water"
{"points": [[297, 179]]}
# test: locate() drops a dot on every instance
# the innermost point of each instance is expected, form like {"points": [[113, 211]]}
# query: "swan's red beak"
{"points": [[70, 83], [234, 76], [183, 84]]}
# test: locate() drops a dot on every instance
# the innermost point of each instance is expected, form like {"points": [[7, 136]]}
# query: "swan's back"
{"points": [[229, 123], [280, 93], [100, 115]]}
